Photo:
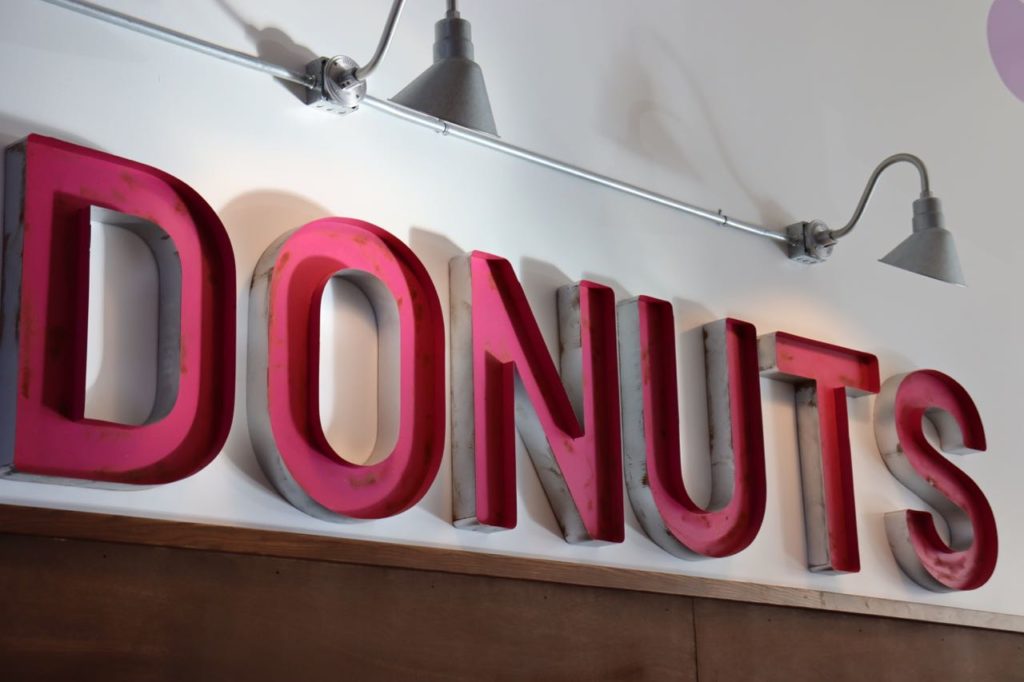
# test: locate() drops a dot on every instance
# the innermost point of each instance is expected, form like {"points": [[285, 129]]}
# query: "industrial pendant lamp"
{"points": [[929, 251], [453, 87], [450, 98]]}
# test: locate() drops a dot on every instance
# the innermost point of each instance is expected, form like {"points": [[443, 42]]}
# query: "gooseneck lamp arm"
{"points": [[873, 180], [385, 40], [338, 84]]}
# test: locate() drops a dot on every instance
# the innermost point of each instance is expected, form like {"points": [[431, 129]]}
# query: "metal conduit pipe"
{"points": [[182, 40], [411, 115], [499, 145]]}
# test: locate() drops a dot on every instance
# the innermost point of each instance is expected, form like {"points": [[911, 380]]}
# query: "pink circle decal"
{"points": [[1006, 42]]}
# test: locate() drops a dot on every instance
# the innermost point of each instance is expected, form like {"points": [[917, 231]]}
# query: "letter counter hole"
{"points": [[359, 359], [124, 306]]}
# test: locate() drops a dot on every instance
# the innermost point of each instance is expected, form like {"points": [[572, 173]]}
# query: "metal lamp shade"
{"points": [[930, 250], [453, 88]]}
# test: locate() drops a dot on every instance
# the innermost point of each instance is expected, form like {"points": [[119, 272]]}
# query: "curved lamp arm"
{"points": [[385, 41], [859, 211]]}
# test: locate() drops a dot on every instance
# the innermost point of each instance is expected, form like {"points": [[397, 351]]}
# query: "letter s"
{"points": [[902, 406]]}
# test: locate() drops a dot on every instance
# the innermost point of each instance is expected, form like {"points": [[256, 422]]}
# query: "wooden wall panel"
{"points": [[83, 610], [136, 599], [75, 525], [737, 641]]}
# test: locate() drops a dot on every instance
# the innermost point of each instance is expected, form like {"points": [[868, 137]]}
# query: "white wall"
{"points": [[772, 111]]}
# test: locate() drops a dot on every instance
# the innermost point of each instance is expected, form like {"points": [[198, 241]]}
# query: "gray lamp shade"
{"points": [[453, 87], [930, 250]]}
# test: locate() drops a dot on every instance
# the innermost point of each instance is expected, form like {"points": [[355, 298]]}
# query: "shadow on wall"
{"points": [[645, 126], [253, 221], [274, 45]]}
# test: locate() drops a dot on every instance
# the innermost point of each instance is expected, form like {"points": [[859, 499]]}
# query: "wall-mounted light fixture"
{"points": [[928, 251], [450, 98]]}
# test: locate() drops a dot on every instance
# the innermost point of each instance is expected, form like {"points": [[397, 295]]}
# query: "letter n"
{"points": [[503, 378]]}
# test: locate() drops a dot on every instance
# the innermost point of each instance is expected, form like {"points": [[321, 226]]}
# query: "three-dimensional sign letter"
{"points": [[823, 376], [503, 377], [650, 427], [284, 362], [51, 187], [967, 561]]}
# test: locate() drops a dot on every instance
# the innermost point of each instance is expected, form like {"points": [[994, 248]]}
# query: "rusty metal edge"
{"points": [[133, 530]]}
